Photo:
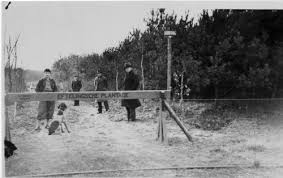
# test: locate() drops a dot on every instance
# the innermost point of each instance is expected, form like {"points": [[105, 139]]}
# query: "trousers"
{"points": [[76, 102], [131, 113], [45, 110], [100, 106]]}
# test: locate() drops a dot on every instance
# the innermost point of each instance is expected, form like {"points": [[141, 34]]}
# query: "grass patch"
{"points": [[256, 148], [214, 118], [256, 164]]}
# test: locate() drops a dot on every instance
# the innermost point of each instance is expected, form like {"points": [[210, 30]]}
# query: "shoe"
{"points": [[99, 113]]}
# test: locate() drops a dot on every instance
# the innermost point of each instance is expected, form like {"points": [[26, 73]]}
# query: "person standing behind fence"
{"points": [[131, 82], [76, 87], [45, 108], [101, 84]]}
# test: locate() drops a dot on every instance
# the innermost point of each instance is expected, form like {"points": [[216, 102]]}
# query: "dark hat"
{"points": [[127, 65], [47, 70]]}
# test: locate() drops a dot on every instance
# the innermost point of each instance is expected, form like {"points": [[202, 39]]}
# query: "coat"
{"points": [[41, 85], [100, 84], [76, 85], [131, 82]]}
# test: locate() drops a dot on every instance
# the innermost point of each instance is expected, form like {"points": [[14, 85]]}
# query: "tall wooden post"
{"points": [[169, 35], [162, 130], [169, 62]]}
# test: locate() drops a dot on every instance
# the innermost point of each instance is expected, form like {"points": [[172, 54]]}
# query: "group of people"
{"points": [[48, 84]]}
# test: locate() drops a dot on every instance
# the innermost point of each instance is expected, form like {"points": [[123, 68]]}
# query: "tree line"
{"points": [[222, 54]]}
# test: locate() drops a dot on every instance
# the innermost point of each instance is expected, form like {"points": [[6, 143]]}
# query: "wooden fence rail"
{"points": [[11, 98]]}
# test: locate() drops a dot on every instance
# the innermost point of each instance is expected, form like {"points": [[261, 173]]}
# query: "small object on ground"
{"points": [[9, 148], [37, 129], [256, 164], [118, 120]]}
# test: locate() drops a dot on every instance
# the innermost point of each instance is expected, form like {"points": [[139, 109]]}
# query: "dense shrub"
{"points": [[214, 118]]}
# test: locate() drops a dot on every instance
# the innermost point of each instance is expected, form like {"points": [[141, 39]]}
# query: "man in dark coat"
{"points": [[101, 84], [76, 87], [131, 83], [45, 108]]}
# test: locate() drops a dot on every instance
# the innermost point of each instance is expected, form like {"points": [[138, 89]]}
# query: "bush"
{"points": [[214, 118], [177, 108]]}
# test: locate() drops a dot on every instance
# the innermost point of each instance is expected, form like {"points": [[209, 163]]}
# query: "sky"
{"points": [[49, 30]]}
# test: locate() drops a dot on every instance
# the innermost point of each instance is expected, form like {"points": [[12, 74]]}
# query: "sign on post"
{"points": [[85, 96], [169, 33]]}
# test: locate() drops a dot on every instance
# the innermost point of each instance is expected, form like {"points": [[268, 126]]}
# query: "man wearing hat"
{"points": [[76, 87], [45, 108], [101, 84], [131, 82]]}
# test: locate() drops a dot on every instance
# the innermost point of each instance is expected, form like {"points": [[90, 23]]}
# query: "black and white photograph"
{"points": [[142, 89]]}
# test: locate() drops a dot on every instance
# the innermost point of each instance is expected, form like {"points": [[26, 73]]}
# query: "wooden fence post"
{"points": [[162, 130], [7, 125], [15, 111], [180, 124]]}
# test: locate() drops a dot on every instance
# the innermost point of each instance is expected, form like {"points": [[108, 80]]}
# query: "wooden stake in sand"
{"points": [[15, 111], [178, 121], [7, 124]]}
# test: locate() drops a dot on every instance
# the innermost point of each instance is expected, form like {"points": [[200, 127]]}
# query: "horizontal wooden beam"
{"points": [[86, 96]]}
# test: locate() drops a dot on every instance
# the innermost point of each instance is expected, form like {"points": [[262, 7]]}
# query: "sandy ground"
{"points": [[108, 142]]}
